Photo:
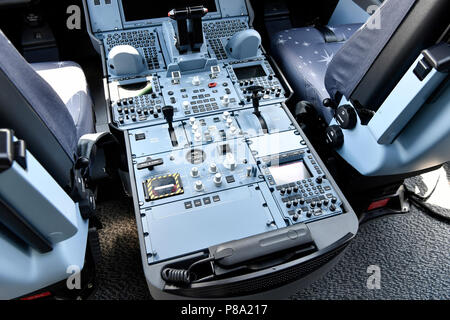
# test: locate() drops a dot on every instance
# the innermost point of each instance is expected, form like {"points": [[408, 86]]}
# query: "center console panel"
{"points": [[224, 182]]}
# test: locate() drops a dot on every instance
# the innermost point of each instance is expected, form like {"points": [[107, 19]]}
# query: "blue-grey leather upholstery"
{"points": [[69, 82], [36, 112], [304, 57], [356, 57], [57, 92]]}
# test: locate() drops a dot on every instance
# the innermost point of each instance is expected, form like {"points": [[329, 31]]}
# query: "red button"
{"points": [[212, 85]]}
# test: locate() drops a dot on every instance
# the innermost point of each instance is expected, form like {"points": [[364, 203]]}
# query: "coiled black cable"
{"points": [[182, 276], [178, 276]]}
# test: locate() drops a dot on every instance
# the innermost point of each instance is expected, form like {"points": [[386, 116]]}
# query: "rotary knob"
{"points": [[229, 121], [233, 130], [213, 168], [225, 115], [218, 179], [195, 127], [186, 105], [198, 186], [230, 162], [198, 136], [194, 172]]}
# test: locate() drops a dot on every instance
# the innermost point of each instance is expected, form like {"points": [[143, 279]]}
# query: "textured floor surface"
{"points": [[412, 252]]}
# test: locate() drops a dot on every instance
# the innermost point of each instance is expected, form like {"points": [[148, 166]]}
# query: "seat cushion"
{"points": [[304, 57], [69, 82]]}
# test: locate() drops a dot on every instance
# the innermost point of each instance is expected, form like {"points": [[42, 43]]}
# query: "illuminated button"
{"points": [[225, 101], [196, 81]]}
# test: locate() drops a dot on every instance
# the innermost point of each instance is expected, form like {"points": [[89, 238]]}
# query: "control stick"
{"points": [[168, 112], [255, 90]]}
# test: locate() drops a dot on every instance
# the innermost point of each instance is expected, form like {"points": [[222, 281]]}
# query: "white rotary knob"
{"points": [[199, 186], [194, 172], [213, 168], [218, 179]]}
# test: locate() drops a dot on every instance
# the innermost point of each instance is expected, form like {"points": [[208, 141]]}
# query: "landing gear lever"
{"points": [[168, 112], [255, 90]]}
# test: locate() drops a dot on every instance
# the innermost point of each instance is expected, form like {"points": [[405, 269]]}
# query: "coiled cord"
{"points": [[182, 276]]}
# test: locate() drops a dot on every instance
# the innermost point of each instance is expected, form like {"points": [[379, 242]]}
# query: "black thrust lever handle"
{"points": [[255, 90], [168, 112]]}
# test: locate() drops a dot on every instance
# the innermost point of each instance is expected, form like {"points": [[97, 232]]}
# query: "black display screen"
{"points": [[135, 10], [249, 72]]}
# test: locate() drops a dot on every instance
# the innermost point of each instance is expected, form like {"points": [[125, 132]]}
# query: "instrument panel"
{"points": [[215, 155]]}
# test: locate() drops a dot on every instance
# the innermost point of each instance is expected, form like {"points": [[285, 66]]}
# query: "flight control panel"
{"points": [[215, 154]]}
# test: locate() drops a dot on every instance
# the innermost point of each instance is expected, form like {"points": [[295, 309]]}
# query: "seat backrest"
{"points": [[372, 62], [30, 107]]}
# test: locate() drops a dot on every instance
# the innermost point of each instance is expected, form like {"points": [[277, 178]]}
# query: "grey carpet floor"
{"points": [[411, 250]]}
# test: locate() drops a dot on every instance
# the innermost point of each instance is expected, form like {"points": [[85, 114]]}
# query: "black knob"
{"points": [[302, 201], [326, 202], [309, 214], [319, 180], [295, 217], [295, 203], [346, 117], [313, 204], [334, 137], [289, 190], [283, 191], [329, 103], [295, 189], [288, 204], [332, 208]]}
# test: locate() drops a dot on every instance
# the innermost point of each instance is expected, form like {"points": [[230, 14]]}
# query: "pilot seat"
{"points": [[374, 97]]}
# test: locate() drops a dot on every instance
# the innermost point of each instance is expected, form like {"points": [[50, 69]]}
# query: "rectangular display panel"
{"points": [[245, 73], [145, 9], [291, 172]]}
